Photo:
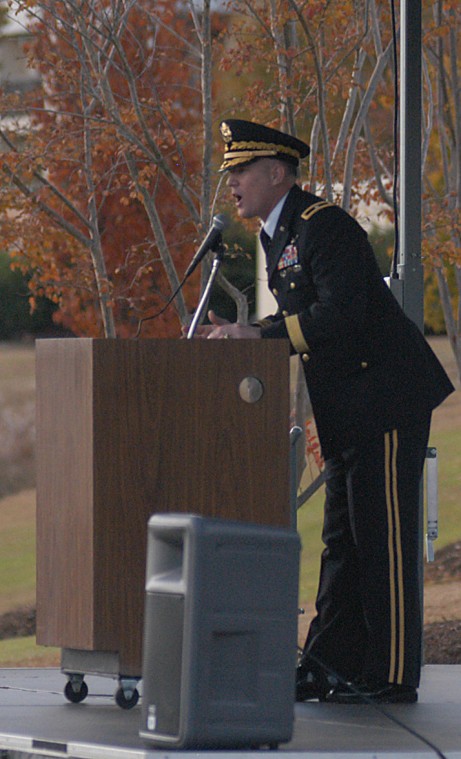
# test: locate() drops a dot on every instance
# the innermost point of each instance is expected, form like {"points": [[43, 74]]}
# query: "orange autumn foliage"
{"points": [[80, 176]]}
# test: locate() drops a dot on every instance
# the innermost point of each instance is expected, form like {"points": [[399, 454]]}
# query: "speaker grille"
{"points": [[163, 660]]}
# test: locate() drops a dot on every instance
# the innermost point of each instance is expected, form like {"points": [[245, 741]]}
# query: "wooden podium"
{"points": [[129, 428]]}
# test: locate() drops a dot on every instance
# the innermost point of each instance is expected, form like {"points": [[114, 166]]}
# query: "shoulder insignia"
{"points": [[311, 210]]}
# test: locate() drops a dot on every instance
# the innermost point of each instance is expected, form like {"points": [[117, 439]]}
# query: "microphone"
{"points": [[220, 222]]}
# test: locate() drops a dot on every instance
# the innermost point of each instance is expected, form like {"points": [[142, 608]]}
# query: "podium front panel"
{"points": [[127, 429]]}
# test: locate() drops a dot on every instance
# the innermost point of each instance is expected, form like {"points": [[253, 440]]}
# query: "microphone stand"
{"points": [[217, 261]]}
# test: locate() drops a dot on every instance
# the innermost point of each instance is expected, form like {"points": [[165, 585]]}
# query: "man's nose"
{"points": [[231, 180]]}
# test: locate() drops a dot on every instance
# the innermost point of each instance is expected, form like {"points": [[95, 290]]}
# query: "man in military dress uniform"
{"points": [[373, 382]]}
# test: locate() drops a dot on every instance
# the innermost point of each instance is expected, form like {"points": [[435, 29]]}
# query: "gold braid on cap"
{"points": [[259, 146], [245, 154]]}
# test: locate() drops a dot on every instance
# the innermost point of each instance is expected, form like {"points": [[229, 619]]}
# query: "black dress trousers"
{"points": [[369, 616]]}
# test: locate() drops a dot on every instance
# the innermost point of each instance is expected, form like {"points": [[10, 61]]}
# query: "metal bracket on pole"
{"points": [[432, 500], [295, 434], [396, 288]]}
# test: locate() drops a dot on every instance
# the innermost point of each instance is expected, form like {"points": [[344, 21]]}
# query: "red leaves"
{"points": [[312, 444]]}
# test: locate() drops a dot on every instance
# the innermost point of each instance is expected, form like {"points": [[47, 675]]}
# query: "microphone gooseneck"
{"points": [[213, 238], [211, 242]]}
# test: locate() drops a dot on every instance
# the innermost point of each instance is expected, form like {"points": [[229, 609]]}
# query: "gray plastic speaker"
{"points": [[220, 634]]}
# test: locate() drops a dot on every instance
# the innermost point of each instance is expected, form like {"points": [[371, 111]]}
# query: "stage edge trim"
{"points": [[43, 748]]}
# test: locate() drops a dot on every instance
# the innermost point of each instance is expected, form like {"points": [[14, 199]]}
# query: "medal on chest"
{"points": [[289, 257]]}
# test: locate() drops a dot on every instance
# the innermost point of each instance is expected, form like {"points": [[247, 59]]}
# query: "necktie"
{"points": [[265, 240]]}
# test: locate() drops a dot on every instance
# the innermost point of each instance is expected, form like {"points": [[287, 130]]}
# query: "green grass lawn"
{"points": [[448, 444], [17, 550], [24, 652], [17, 578]]}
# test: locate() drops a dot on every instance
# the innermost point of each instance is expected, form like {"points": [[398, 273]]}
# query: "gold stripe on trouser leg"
{"points": [[398, 546], [390, 550], [396, 592]]}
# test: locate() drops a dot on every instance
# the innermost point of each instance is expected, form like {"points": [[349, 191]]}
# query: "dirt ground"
{"points": [[442, 578], [442, 608]]}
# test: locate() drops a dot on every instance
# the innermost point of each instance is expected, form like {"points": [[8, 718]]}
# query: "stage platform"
{"points": [[37, 721]]}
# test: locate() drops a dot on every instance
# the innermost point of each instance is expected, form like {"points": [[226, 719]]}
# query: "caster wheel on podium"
{"points": [[126, 699], [76, 690]]}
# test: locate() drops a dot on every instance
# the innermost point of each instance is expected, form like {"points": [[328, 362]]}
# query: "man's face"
{"points": [[256, 188]]}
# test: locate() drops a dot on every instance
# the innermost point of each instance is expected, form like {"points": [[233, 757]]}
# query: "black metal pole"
{"points": [[410, 268]]}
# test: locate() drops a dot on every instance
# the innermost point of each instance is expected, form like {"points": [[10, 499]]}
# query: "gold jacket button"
{"points": [[285, 313], [364, 364], [275, 291], [305, 357], [292, 285]]}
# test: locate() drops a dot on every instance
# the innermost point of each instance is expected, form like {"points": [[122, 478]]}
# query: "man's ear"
{"points": [[278, 172]]}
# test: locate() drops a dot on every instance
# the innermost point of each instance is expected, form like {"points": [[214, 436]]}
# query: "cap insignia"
{"points": [[226, 132]]}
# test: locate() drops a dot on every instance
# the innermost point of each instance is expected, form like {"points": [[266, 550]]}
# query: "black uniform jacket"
{"points": [[367, 366]]}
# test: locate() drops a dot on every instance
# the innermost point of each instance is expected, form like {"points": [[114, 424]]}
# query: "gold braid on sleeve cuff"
{"points": [[295, 334]]}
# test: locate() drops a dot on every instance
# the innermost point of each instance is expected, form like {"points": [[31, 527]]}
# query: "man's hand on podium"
{"points": [[222, 329]]}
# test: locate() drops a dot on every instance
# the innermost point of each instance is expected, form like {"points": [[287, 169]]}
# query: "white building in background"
{"points": [[14, 74]]}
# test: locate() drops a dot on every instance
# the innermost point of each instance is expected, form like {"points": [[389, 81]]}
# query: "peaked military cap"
{"points": [[246, 141]]}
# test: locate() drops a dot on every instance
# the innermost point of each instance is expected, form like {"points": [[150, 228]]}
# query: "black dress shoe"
{"points": [[361, 693], [309, 687]]}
